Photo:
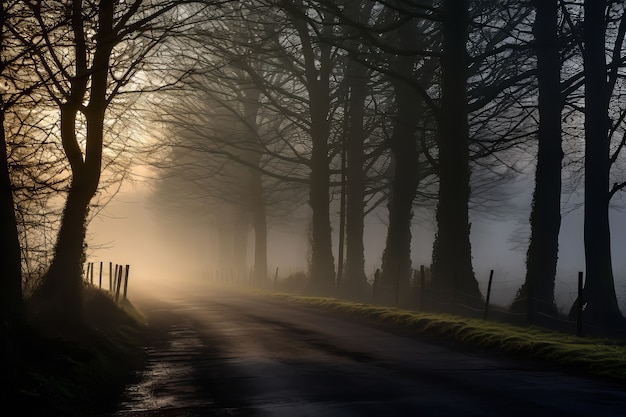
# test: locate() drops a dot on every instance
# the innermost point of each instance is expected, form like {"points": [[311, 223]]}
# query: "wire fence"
{"points": [[419, 295], [524, 311]]}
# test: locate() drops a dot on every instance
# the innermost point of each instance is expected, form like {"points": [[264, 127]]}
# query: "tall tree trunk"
{"points": [[11, 301], [322, 268], [251, 106], [396, 261], [317, 70], [354, 285], [259, 222], [259, 226], [404, 146], [63, 284], [453, 275], [599, 292], [537, 293], [62, 295]]}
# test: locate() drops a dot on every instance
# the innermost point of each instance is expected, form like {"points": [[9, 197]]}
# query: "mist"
{"points": [[165, 253]]}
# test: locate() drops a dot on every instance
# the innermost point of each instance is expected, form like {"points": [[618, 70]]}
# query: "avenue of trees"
{"points": [[271, 106], [414, 103]]}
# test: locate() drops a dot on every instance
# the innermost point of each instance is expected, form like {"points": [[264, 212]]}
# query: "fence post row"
{"points": [[115, 278]]}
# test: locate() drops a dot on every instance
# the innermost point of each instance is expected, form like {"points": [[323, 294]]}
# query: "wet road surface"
{"points": [[218, 353]]}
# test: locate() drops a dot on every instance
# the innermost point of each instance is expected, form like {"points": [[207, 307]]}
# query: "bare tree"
{"points": [[296, 80], [356, 84], [11, 303], [600, 299], [90, 52], [412, 124], [545, 219], [452, 263], [214, 166]]}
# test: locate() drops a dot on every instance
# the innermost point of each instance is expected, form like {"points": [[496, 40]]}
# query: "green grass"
{"points": [[599, 357]]}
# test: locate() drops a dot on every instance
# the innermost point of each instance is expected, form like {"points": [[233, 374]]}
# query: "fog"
{"points": [[162, 252]]}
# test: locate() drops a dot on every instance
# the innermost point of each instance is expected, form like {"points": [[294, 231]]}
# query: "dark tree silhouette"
{"points": [[11, 302], [452, 270], [409, 138], [17, 92], [82, 42], [601, 303], [545, 218], [317, 68], [11, 283], [357, 76]]}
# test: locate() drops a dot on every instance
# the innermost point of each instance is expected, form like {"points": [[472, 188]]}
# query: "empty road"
{"points": [[224, 353]]}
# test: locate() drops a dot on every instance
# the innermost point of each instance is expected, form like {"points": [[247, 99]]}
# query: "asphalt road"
{"points": [[216, 353]]}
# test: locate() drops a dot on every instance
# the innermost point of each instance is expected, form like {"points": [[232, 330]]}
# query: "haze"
{"points": [[161, 251]]}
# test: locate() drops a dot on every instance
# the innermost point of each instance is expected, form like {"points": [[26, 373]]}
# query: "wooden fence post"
{"points": [[100, 282], [488, 294], [275, 279], [115, 275], [126, 281], [118, 283], [422, 285], [581, 303], [114, 283], [91, 273], [87, 272]]}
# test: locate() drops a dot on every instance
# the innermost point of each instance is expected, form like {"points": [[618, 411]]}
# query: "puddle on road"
{"points": [[168, 380]]}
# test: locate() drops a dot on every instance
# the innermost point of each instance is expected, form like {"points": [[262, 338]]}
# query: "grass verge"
{"points": [[604, 358], [79, 371]]}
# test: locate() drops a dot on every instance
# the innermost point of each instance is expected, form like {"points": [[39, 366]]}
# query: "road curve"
{"points": [[226, 353]]}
